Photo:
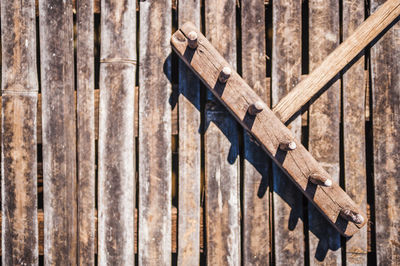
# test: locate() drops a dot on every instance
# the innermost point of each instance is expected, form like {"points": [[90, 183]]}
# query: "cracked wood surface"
{"points": [[286, 73], [189, 150], [85, 131], [59, 132], [338, 59], [385, 69], [354, 133], [256, 240], [18, 140], [116, 133], [236, 95], [221, 148], [155, 133]]}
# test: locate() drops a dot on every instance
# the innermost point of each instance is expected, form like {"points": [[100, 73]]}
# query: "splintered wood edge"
{"points": [[236, 95]]}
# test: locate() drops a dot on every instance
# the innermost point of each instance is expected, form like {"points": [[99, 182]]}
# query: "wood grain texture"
{"points": [[189, 150], [85, 131], [59, 132], [354, 133], [330, 66], [257, 166], [237, 96], [18, 129], [155, 134], [385, 69], [286, 73], [116, 203], [324, 119], [221, 148]]}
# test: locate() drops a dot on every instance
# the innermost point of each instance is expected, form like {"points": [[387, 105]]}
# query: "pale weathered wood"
{"points": [[221, 148], [18, 128], [155, 134], [338, 59], [85, 131], [324, 119], [354, 133], [288, 231], [385, 69], [189, 150], [236, 95], [116, 133], [257, 165], [59, 134]]}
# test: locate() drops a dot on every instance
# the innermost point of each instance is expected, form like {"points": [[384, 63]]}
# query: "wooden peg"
{"points": [[320, 180], [352, 216], [256, 108], [287, 145], [224, 74], [192, 39]]}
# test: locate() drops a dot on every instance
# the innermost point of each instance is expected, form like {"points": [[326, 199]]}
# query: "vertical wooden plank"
{"points": [[286, 73], [86, 133], [155, 133], [324, 119], [385, 66], [116, 133], [58, 132], [354, 133], [256, 236], [18, 141], [189, 150], [221, 148]]}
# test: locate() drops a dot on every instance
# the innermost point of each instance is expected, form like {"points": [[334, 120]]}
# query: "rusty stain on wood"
{"points": [[236, 95], [385, 69], [256, 241], [18, 129], [155, 133]]}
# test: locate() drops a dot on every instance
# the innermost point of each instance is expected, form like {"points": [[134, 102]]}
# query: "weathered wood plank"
{"points": [[354, 133], [237, 96], [338, 59], [189, 150], [289, 241], [18, 128], [85, 131], [324, 121], [155, 134], [221, 148], [385, 69], [116, 133], [59, 134], [257, 166]]}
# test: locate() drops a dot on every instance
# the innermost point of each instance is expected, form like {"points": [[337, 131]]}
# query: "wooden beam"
{"points": [[267, 129], [337, 60], [19, 88]]}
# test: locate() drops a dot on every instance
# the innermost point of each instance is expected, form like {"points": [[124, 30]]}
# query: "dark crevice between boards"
{"points": [[304, 127]]}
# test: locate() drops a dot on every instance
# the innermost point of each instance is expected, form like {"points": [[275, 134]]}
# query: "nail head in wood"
{"points": [[256, 108], [352, 216], [320, 180], [224, 74], [192, 39], [287, 145]]}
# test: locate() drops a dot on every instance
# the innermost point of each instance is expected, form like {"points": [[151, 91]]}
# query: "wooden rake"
{"points": [[267, 126]]}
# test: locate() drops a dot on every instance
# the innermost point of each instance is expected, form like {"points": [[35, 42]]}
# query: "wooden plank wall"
{"points": [[101, 127]]}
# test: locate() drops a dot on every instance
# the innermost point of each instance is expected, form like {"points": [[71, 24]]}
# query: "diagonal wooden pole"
{"points": [[337, 60], [275, 138]]}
